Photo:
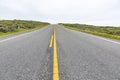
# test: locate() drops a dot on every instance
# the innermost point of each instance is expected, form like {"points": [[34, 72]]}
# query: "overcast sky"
{"points": [[95, 12]]}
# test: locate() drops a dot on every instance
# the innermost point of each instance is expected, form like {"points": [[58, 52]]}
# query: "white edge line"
{"points": [[16, 36], [107, 40], [100, 37]]}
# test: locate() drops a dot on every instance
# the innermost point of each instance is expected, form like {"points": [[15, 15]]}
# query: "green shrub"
{"points": [[13, 25], [106, 31]]}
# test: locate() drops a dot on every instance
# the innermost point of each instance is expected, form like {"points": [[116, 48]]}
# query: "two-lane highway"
{"points": [[57, 53]]}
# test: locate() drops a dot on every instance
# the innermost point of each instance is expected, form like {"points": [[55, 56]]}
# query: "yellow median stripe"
{"points": [[51, 40], [55, 59]]}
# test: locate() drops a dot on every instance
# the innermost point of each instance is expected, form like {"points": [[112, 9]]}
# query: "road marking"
{"points": [[17, 36], [51, 41], [21, 35], [55, 59], [107, 40], [102, 38]]}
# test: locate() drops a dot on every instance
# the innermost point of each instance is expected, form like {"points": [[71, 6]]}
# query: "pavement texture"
{"points": [[81, 56], [27, 57]]}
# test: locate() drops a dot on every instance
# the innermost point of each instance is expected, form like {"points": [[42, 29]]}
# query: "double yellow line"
{"points": [[55, 56]]}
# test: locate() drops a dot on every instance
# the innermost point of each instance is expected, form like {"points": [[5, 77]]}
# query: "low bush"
{"points": [[106, 31], [13, 25]]}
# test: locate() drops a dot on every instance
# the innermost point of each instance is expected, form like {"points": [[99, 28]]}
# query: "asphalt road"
{"points": [[81, 56]]}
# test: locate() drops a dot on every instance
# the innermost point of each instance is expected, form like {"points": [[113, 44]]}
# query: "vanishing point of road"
{"points": [[58, 53]]}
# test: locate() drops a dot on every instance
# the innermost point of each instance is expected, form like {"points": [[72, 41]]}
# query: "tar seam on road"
{"points": [[51, 41], [55, 59]]}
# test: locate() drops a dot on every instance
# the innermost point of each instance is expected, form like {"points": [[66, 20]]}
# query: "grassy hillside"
{"points": [[105, 31], [13, 26]]}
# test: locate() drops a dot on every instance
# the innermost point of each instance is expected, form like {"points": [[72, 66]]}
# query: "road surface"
{"points": [[76, 55]]}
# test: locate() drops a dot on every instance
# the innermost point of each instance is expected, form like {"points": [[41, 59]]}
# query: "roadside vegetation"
{"points": [[15, 26], [105, 31]]}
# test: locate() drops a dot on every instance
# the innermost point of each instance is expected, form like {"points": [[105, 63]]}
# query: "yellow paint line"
{"points": [[51, 41], [55, 59]]}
